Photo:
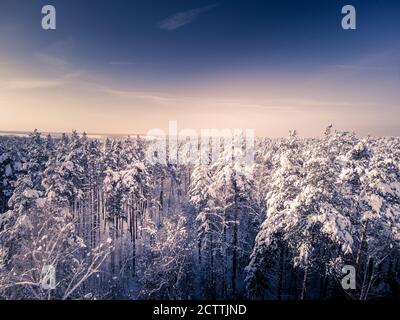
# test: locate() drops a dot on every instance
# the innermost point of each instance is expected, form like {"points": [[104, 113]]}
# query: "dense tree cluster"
{"points": [[115, 226]]}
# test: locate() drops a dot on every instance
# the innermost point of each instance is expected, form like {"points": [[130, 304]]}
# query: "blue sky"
{"points": [[134, 65]]}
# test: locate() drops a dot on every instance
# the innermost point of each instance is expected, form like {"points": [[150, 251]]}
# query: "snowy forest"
{"points": [[115, 226]]}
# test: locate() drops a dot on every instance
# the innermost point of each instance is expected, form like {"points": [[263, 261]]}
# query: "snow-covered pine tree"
{"points": [[12, 156], [28, 186], [267, 264], [210, 226], [233, 182], [379, 220]]}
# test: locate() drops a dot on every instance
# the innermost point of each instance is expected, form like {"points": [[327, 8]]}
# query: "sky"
{"points": [[129, 66]]}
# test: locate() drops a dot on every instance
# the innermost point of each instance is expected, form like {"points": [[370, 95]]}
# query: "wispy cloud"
{"points": [[33, 84], [354, 67], [51, 60], [55, 73], [196, 102], [180, 19], [122, 63]]}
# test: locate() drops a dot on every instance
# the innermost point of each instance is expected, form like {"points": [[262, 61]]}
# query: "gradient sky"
{"points": [[127, 66]]}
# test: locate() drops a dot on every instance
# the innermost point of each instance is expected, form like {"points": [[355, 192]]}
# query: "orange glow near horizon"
{"points": [[71, 99]]}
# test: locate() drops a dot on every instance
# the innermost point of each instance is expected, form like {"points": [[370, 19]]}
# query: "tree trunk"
{"points": [[304, 285], [281, 272], [361, 247], [225, 257], [234, 253], [212, 271], [367, 277]]}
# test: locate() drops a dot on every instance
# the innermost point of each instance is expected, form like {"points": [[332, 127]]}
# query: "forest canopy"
{"points": [[114, 226]]}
